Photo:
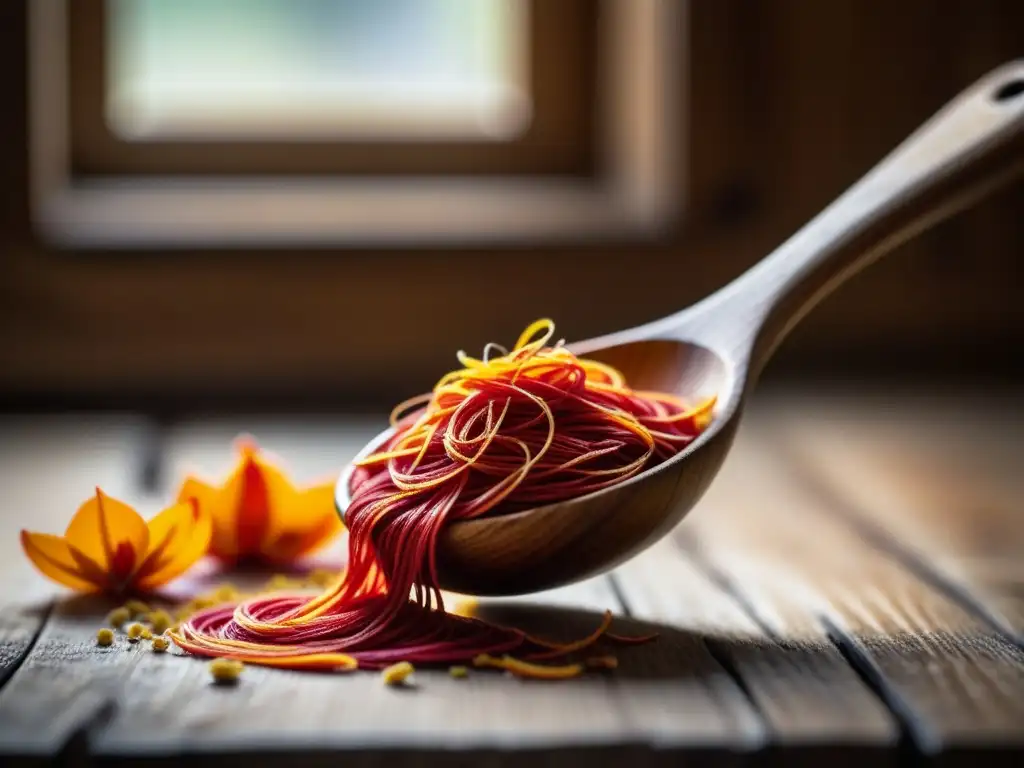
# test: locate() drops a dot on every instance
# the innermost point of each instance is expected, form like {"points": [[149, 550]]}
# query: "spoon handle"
{"points": [[963, 153]]}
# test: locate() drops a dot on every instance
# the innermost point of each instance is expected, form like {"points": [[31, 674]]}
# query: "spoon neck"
{"points": [[964, 153]]}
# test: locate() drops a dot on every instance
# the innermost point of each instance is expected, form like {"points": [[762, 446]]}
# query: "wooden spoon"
{"points": [[719, 346]]}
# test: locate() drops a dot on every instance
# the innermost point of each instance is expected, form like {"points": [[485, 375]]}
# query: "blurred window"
{"points": [[166, 123], [407, 69], [425, 146]]}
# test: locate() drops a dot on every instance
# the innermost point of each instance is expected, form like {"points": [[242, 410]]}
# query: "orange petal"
{"points": [[303, 523], [246, 505], [167, 532], [186, 529], [217, 504], [110, 533], [52, 556], [252, 508]]}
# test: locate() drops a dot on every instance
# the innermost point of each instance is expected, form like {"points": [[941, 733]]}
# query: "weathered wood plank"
{"points": [[801, 569], [806, 692], [940, 476], [669, 695], [670, 699], [48, 466]]}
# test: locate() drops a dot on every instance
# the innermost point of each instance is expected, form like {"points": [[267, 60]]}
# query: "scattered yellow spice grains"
{"points": [[160, 621], [398, 673], [105, 637], [226, 593], [137, 608], [183, 615], [458, 672], [118, 616], [321, 577], [160, 644], [226, 670], [135, 632], [280, 582]]}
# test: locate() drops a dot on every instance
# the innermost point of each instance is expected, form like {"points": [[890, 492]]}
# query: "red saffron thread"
{"points": [[534, 426]]}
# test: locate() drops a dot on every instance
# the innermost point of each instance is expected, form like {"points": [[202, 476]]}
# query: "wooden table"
{"points": [[851, 589]]}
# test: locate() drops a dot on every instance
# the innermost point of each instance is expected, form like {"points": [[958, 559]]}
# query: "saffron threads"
{"points": [[529, 427]]}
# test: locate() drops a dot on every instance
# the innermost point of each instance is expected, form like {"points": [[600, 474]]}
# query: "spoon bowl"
{"points": [[555, 544], [718, 347]]}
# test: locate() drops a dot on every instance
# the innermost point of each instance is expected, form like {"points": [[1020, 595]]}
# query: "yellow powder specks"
{"points": [[280, 582], [321, 577], [226, 593], [118, 616], [137, 608], [226, 671], [159, 621], [397, 674]]}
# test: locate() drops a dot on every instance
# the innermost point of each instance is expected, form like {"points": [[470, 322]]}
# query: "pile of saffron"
{"points": [[512, 430]]}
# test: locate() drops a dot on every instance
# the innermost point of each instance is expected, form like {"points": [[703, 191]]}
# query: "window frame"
{"points": [[561, 39], [633, 192]]}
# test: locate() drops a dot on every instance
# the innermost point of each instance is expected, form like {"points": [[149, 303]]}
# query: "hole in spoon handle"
{"points": [[1010, 90]]}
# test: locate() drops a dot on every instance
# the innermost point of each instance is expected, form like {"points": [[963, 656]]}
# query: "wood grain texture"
{"points": [[807, 695], [806, 574], [938, 476], [48, 466], [761, 598], [666, 698]]}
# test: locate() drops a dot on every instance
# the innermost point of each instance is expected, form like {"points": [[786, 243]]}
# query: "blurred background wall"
{"points": [[121, 286]]}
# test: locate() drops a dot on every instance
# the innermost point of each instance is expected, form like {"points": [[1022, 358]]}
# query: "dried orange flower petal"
{"points": [[108, 547], [258, 514]]}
